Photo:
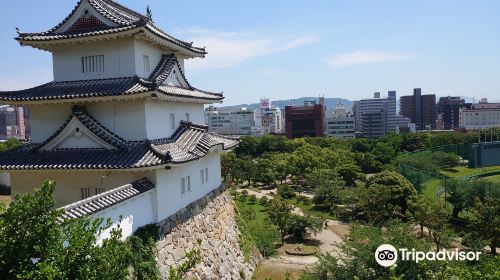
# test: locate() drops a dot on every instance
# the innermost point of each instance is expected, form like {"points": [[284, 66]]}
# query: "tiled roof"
{"points": [[112, 87], [124, 19], [105, 200], [189, 142], [138, 155], [79, 89]]}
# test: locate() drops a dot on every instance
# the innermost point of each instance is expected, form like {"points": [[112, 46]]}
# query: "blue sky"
{"points": [[288, 49]]}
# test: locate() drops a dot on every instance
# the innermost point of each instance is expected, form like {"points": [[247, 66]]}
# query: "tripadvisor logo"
{"points": [[387, 255]]}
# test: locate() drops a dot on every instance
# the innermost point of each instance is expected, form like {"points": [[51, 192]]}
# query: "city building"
{"points": [[375, 117], [120, 127], [448, 112], [229, 122], [305, 120], [341, 124], [12, 123], [420, 109], [267, 118], [480, 116]]}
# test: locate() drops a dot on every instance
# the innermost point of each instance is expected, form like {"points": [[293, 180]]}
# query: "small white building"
{"points": [[120, 129]]}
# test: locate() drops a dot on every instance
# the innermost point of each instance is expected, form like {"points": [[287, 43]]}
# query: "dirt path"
{"points": [[328, 241]]}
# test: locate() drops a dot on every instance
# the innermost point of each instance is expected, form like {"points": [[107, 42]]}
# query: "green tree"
{"points": [[449, 160], [280, 212], [349, 174], [367, 163], [384, 153], [419, 210], [34, 245], [385, 196], [486, 221], [300, 226], [356, 259]]}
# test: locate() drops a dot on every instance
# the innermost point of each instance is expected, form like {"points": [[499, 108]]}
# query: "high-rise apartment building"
{"points": [[420, 109], [448, 111], [376, 116]]}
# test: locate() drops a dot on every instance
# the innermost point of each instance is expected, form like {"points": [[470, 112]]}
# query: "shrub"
{"points": [[265, 236], [303, 199], [243, 196], [252, 199], [264, 201], [286, 192]]}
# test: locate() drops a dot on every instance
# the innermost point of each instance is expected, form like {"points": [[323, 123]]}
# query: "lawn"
{"points": [[260, 211], [430, 187], [276, 272], [493, 179], [461, 171], [311, 210]]}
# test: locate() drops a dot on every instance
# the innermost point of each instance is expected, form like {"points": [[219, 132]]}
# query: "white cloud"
{"points": [[226, 49], [365, 57]]}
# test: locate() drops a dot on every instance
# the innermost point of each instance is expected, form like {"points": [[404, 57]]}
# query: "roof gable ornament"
{"points": [[149, 13]]}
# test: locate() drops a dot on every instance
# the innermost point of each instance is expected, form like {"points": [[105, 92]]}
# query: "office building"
{"points": [[267, 118], [341, 124], [375, 117], [480, 116], [420, 109], [230, 122], [306, 120]]}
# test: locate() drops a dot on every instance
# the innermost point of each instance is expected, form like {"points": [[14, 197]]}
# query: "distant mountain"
{"points": [[329, 103]]}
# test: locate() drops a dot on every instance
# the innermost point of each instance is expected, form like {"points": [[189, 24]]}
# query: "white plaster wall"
{"points": [[142, 48], [118, 60], [135, 212], [127, 119], [168, 184], [47, 119], [155, 53], [158, 117], [68, 183]]}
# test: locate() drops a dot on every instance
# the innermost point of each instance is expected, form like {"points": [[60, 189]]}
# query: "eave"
{"points": [[139, 32]]}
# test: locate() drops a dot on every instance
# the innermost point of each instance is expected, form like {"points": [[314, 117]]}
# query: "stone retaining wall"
{"points": [[211, 220]]}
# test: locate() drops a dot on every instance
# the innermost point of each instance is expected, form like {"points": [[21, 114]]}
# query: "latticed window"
{"points": [[93, 64]]}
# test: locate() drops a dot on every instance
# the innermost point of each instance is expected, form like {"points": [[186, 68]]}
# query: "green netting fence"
{"points": [[422, 176]]}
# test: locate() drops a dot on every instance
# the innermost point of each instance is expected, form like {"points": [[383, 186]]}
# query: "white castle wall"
{"points": [[131, 120], [118, 60], [168, 184], [130, 214], [158, 117]]}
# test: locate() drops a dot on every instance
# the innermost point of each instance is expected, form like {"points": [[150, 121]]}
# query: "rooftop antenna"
{"points": [[149, 14]]}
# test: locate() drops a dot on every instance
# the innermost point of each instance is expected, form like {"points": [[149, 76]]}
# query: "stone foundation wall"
{"points": [[211, 220]]}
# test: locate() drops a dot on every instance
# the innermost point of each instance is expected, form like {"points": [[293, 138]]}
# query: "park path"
{"points": [[328, 241]]}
